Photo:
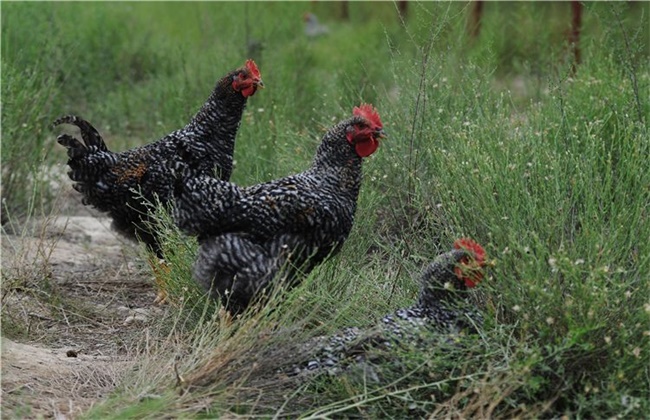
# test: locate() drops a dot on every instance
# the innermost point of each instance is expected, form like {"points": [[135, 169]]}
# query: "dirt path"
{"points": [[75, 300]]}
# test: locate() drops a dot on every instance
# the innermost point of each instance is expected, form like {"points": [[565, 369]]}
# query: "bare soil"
{"points": [[75, 300]]}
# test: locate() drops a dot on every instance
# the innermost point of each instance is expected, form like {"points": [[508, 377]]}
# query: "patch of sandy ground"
{"points": [[75, 299]]}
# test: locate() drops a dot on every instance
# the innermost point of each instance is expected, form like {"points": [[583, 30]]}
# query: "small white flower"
{"points": [[579, 261], [550, 320]]}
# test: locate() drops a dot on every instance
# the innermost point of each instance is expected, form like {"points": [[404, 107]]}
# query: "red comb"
{"points": [[470, 245], [474, 275], [368, 112], [252, 68]]}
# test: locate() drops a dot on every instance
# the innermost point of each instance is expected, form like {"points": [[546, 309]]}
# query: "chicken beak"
{"points": [[259, 83], [381, 134]]}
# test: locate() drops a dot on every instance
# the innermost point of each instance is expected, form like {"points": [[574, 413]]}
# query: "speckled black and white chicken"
{"points": [[442, 306], [124, 183], [248, 235]]}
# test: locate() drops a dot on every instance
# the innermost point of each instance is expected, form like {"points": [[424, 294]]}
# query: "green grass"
{"points": [[492, 139]]}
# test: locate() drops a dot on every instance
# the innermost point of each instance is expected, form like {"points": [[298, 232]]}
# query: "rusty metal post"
{"points": [[574, 34], [474, 23]]}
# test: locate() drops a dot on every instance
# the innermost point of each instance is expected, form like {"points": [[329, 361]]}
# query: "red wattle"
{"points": [[366, 148], [248, 91], [469, 282]]}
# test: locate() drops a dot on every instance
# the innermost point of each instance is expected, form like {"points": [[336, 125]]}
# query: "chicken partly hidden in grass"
{"points": [[442, 306], [289, 225], [124, 184]]}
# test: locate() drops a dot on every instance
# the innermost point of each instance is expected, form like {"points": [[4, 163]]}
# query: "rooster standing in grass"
{"points": [[441, 306], [123, 184], [248, 235]]}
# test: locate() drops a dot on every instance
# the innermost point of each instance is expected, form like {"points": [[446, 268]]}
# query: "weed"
{"points": [[495, 140]]}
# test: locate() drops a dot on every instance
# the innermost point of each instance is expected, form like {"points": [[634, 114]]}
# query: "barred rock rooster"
{"points": [[289, 225], [441, 306], [123, 183]]}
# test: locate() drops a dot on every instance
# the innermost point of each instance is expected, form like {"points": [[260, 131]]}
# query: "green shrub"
{"points": [[494, 139]]}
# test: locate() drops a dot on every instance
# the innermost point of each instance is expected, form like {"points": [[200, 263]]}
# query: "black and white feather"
{"points": [[123, 184], [247, 235], [442, 307]]}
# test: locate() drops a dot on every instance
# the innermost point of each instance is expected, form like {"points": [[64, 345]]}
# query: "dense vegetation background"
{"points": [[493, 138]]}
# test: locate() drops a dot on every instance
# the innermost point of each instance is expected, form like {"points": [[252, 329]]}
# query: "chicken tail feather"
{"points": [[89, 160], [89, 134]]}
